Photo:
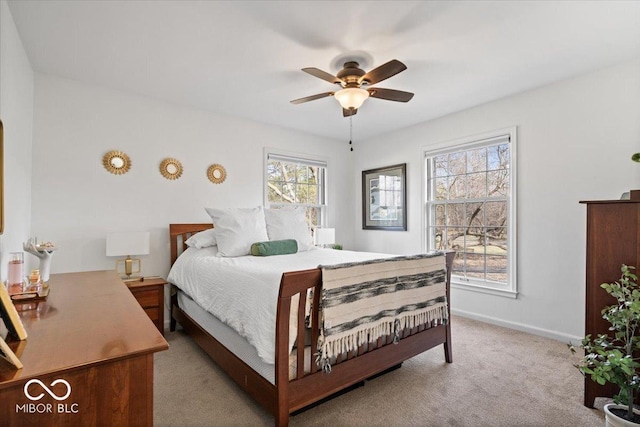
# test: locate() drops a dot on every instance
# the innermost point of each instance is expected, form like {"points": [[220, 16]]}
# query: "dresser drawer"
{"points": [[146, 299]]}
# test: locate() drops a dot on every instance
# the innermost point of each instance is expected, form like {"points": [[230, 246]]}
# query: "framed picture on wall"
{"points": [[384, 198]]}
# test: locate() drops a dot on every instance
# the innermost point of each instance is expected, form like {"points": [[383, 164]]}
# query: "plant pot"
{"points": [[612, 420]]}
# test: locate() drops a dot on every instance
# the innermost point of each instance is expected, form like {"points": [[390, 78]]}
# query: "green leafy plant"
{"points": [[614, 359], [636, 157]]}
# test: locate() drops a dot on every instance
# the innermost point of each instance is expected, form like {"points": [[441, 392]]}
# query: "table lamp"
{"points": [[325, 236], [127, 244]]}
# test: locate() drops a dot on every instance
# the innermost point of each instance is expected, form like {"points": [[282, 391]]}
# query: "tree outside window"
{"points": [[469, 210], [297, 182]]}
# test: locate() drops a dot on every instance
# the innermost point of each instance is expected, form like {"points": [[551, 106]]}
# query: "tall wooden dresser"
{"points": [[88, 357], [613, 239]]}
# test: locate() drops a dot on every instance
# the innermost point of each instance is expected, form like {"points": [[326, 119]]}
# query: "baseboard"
{"points": [[555, 335]]}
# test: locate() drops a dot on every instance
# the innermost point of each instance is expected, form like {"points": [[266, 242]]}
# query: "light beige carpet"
{"points": [[499, 377]]}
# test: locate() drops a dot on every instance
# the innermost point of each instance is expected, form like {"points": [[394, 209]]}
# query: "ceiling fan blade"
{"points": [[383, 72], [311, 98], [322, 75], [390, 94], [348, 112]]}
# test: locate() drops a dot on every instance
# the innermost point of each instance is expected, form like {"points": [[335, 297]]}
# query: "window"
{"points": [[297, 181], [470, 208]]}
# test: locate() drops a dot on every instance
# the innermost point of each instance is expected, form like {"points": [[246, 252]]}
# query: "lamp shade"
{"points": [[351, 97], [133, 243], [325, 236]]}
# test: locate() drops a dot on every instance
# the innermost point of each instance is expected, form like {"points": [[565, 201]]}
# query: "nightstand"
{"points": [[149, 293]]}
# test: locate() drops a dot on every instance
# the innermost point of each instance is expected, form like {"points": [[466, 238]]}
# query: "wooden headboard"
{"points": [[179, 233]]}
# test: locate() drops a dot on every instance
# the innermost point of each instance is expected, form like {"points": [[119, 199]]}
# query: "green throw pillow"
{"points": [[274, 247]]}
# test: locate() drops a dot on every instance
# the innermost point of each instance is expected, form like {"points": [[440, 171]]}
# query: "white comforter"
{"points": [[243, 291]]}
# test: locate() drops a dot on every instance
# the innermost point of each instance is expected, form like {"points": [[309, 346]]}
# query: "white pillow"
{"points": [[236, 229], [289, 224], [203, 239]]}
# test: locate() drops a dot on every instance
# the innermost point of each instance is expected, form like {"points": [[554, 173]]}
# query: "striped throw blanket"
{"points": [[364, 301]]}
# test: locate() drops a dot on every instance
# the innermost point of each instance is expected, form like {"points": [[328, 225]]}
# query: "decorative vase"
{"points": [[612, 420]]}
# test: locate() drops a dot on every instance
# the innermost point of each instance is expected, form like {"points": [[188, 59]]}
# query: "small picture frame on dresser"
{"points": [[7, 354], [10, 315]]}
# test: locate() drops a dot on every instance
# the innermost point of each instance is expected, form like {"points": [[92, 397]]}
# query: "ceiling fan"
{"points": [[352, 79]]}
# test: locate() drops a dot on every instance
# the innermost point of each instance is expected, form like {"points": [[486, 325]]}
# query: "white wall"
{"points": [[575, 141], [16, 112], [76, 201]]}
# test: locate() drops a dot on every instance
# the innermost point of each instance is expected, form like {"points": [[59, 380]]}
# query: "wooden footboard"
{"points": [[306, 388], [349, 369]]}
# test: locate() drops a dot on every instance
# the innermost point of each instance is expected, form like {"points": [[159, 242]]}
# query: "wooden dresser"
{"points": [[92, 334], [613, 239]]}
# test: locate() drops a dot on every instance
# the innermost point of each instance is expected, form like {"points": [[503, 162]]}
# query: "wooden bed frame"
{"points": [[286, 397]]}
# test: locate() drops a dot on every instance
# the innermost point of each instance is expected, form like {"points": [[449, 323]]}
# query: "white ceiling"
{"points": [[244, 58]]}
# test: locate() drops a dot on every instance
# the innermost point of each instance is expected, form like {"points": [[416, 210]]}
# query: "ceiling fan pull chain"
{"points": [[351, 132]]}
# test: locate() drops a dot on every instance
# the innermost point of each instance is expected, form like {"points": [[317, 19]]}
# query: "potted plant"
{"points": [[616, 359]]}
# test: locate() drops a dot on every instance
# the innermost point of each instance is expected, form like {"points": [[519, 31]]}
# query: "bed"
{"points": [[295, 379]]}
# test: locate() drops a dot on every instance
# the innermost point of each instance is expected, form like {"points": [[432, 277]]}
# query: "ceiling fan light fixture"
{"points": [[351, 97]]}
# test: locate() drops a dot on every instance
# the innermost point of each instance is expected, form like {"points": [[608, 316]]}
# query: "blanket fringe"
{"points": [[331, 347]]}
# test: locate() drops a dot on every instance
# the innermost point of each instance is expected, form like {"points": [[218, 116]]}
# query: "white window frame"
{"points": [[300, 158], [494, 288]]}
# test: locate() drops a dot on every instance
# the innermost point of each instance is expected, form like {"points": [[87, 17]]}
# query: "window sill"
{"points": [[485, 290]]}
